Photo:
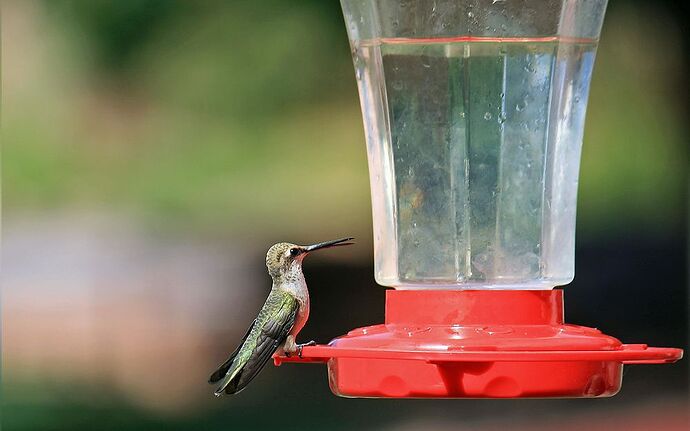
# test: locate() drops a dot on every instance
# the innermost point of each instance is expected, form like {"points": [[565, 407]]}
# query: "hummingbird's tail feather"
{"points": [[243, 373], [229, 383], [223, 369], [247, 367]]}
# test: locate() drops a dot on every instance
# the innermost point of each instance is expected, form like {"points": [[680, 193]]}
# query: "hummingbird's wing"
{"points": [[267, 333]]}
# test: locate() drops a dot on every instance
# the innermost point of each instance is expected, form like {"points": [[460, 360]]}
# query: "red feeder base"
{"points": [[477, 344]]}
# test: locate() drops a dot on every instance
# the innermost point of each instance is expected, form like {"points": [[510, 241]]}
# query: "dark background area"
{"points": [[153, 150]]}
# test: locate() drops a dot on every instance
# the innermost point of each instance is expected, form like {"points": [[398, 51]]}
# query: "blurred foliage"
{"points": [[222, 113], [635, 155], [215, 118], [115, 29], [71, 405]]}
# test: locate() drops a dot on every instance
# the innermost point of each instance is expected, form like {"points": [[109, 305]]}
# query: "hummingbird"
{"points": [[282, 316]]}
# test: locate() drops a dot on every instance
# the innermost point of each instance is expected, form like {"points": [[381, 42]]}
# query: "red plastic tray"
{"points": [[477, 344]]}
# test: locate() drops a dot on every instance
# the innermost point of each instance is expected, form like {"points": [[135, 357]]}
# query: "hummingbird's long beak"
{"points": [[327, 244]]}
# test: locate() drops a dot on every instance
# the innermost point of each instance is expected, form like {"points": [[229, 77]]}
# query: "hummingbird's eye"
{"points": [[294, 252]]}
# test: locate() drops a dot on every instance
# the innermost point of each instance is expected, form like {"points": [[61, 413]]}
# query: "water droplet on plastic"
{"points": [[470, 14], [487, 116], [462, 114], [410, 171]]}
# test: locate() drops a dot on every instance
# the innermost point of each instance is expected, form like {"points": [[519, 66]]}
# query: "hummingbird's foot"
{"points": [[290, 346], [301, 346]]}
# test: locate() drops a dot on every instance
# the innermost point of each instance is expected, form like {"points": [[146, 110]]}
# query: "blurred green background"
{"points": [[154, 149]]}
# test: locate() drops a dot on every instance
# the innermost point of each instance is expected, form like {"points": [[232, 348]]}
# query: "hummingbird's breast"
{"points": [[302, 316], [297, 287]]}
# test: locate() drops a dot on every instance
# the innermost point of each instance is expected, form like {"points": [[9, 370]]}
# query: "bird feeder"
{"points": [[474, 114]]}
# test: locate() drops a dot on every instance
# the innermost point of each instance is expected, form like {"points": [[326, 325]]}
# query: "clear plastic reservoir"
{"points": [[474, 114]]}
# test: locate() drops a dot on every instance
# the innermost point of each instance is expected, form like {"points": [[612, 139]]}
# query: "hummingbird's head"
{"points": [[285, 257]]}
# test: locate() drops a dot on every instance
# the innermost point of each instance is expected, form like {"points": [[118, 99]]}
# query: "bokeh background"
{"points": [[154, 149]]}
